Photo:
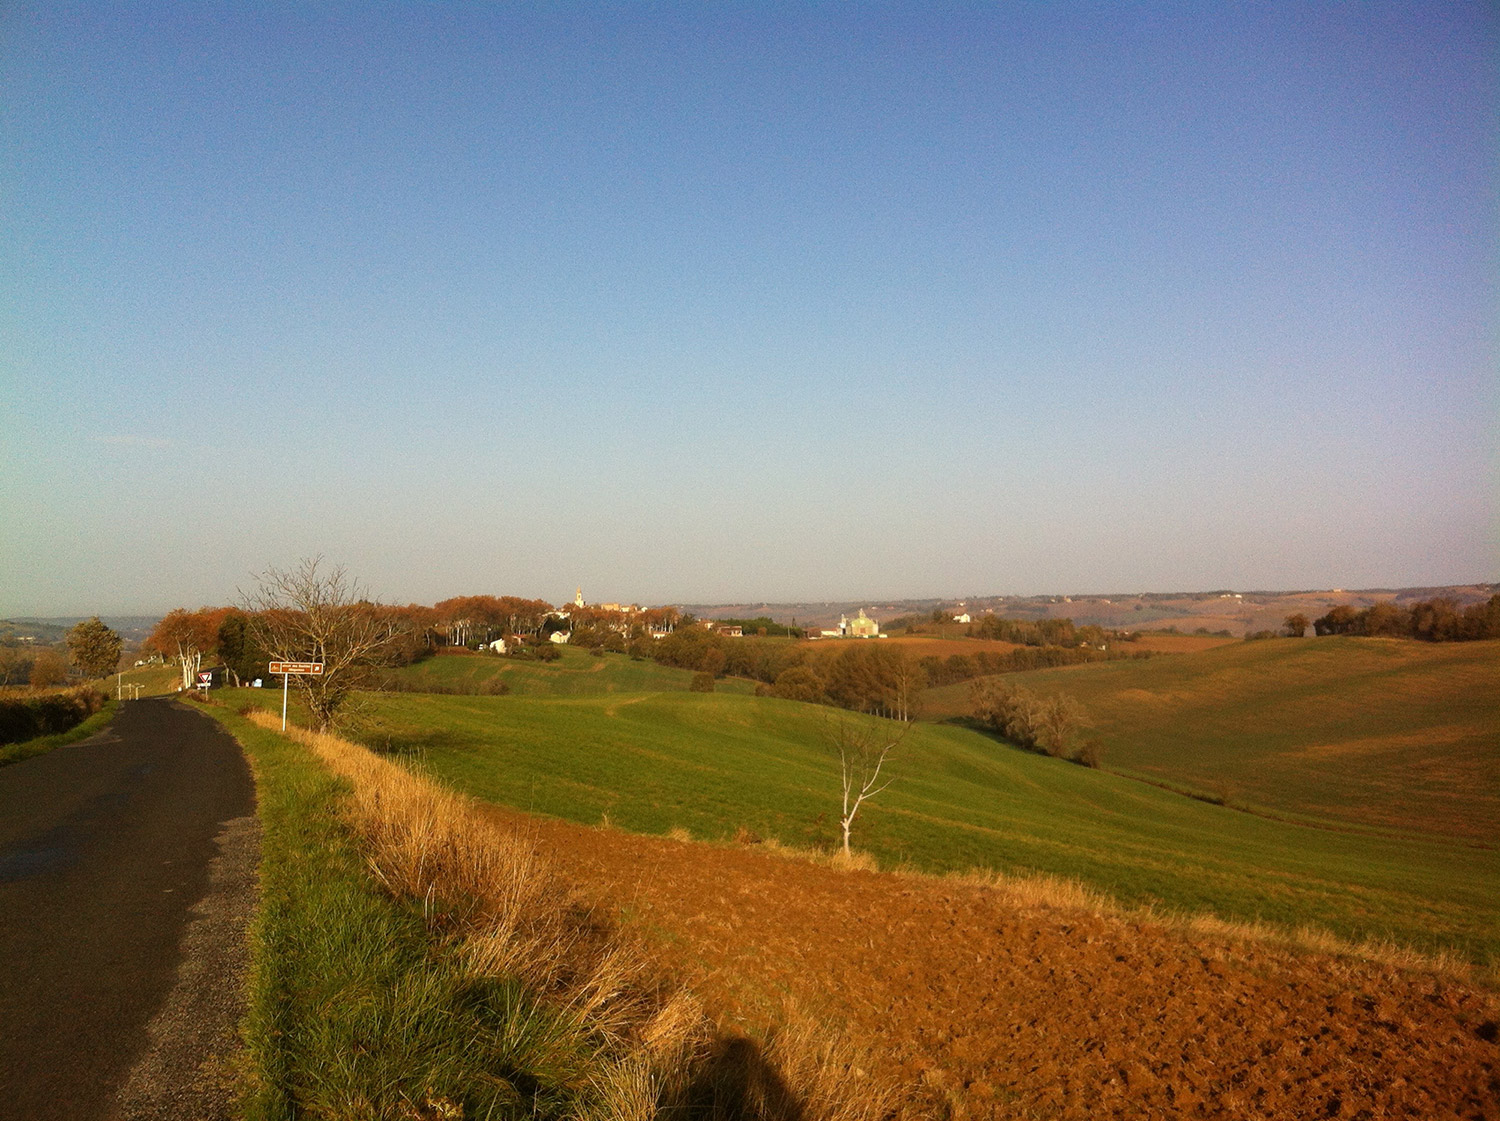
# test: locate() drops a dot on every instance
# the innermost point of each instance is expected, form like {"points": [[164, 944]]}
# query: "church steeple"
{"points": [[578, 599]]}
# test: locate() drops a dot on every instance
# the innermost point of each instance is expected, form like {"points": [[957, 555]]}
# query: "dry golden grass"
{"points": [[492, 894]]}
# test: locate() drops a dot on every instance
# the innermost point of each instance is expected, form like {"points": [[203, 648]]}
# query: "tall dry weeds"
{"points": [[499, 903]]}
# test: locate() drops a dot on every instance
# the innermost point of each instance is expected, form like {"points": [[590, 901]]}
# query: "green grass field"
{"points": [[715, 763], [577, 673], [154, 681], [1384, 734]]}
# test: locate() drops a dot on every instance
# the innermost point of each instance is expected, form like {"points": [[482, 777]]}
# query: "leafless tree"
{"points": [[863, 745], [307, 615]]}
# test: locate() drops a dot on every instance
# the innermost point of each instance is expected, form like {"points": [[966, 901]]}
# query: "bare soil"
{"points": [[980, 1007]]}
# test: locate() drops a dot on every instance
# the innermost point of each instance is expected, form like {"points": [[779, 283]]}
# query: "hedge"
{"points": [[46, 714]]}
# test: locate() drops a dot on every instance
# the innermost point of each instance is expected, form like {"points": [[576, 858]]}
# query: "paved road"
{"points": [[105, 848]]}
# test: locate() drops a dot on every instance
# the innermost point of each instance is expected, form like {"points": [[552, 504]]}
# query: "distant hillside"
{"points": [[1238, 612], [1375, 732], [49, 631]]}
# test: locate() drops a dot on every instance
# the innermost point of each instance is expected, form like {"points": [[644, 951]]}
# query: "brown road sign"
{"points": [[297, 667]]}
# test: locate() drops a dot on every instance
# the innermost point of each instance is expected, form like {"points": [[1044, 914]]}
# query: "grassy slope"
{"points": [[155, 681], [1373, 732], [961, 800], [576, 673]]}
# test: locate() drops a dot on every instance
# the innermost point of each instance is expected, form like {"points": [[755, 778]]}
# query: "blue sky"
{"points": [[745, 303]]}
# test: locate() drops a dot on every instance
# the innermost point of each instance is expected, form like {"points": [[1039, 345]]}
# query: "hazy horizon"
{"points": [[746, 304], [867, 601]]}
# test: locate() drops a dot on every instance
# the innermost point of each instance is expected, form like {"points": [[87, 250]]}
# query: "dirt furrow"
{"points": [[981, 1008]]}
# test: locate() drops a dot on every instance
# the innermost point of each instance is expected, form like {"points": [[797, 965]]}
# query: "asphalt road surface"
{"points": [[112, 851]]}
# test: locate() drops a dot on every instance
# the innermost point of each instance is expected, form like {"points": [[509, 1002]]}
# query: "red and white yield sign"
{"points": [[297, 667]]}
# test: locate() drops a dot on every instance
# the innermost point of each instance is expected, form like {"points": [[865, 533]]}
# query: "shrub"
{"points": [[1091, 753]]}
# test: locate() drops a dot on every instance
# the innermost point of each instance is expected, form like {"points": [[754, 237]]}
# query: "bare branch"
{"points": [[304, 615], [863, 745]]}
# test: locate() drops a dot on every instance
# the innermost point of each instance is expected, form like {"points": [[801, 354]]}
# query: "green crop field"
{"points": [[716, 763], [1386, 734], [576, 673]]}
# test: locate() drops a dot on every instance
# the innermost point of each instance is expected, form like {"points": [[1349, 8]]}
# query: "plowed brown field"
{"points": [[979, 1007]]}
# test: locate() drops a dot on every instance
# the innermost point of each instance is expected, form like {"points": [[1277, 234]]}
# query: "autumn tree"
{"points": [[48, 670], [1295, 625], [312, 614], [875, 678], [186, 637], [15, 667], [798, 683], [1051, 725], [94, 648]]}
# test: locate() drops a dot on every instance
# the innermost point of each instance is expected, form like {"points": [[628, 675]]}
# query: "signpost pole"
{"points": [[286, 669]]}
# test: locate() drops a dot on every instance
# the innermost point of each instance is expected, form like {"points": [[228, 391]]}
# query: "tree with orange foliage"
{"points": [[186, 637]]}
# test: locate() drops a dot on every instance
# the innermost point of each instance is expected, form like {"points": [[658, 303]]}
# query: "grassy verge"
{"points": [[356, 1010], [460, 979], [15, 752]]}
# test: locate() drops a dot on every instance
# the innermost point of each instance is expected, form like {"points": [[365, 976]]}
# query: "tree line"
{"points": [[865, 676], [1431, 620]]}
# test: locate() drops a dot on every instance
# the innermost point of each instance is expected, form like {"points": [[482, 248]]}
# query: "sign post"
{"points": [[286, 669]]}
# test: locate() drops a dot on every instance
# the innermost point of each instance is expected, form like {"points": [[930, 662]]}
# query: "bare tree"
{"points": [[304, 615], [863, 745]]}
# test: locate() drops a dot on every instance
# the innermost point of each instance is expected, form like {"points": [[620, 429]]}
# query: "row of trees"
{"points": [[1039, 632], [314, 614], [862, 676], [1432, 620]]}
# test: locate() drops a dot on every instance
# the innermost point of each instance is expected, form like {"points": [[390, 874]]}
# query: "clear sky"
{"points": [[710, 303]]}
